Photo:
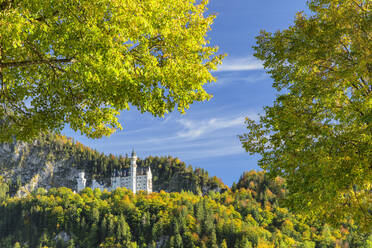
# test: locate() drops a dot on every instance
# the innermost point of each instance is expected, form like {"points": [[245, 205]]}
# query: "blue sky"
{"points": [[206, 136]]}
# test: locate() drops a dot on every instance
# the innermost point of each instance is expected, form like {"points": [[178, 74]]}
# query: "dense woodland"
{"points": [[169, 174], [248, 215]]}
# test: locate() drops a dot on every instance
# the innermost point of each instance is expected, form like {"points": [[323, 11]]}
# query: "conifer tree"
{"points": [[123, 230], [178, 241], [224, 244]]}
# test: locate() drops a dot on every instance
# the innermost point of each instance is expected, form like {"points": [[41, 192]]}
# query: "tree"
{"points": [[17, 245], [4, 189], [223, 244], [81, 62], [71, 243], [318, 133]]}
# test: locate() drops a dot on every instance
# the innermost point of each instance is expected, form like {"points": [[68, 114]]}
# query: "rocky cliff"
{"points": [[28, 166]]}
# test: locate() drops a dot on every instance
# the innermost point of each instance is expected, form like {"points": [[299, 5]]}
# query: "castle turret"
{"points": [[133, 172], [149, 180], [133, 156], [81, 181], [129, 178]]}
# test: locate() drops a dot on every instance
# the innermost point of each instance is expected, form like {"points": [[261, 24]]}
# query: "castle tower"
{"points": [[149, 180], [81, 181], [133, 172]]}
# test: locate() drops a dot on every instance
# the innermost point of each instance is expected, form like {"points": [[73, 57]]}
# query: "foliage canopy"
{"points": [[179, 220], [80, 62], [318, 133]]}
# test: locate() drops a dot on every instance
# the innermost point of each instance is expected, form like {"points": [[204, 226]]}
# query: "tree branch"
{"points": [[35, 62], [34, 49]]}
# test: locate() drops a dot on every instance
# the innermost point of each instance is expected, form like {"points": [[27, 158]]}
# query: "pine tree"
{"points": [[233, 187], [213, 239], [17, 245], [223, 244], [123, 229], [71, 243], [103, 229], [178, 241]]}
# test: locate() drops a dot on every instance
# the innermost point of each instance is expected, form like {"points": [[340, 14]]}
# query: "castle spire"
{"points": [[133, 158], [133, 172], [133, 153]]}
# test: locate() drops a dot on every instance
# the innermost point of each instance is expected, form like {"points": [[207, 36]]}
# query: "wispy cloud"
{"points": [[196, 128], [187, 138], [240, 64], [217, 151], [241, 79]]}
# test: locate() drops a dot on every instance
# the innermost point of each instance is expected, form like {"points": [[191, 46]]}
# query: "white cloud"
{"points": [[186, 138], [212, 152], [240, 64], [248, 79], [195, 128]]}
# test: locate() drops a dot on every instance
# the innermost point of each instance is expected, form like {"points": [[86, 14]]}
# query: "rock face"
{"points": [[30, 166]]}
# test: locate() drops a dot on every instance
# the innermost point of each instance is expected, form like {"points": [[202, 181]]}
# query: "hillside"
{"points": [[61, 218], [190, 208], [262, 188], [54, 161]]}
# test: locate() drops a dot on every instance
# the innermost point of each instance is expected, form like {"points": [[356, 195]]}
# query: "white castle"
{"points": [[132, 179]]}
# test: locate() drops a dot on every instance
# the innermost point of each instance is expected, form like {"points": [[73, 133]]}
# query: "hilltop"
{"points": [[54, 161]]}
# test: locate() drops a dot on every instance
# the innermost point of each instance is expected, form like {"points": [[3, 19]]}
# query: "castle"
{"points": [[132, 179]]}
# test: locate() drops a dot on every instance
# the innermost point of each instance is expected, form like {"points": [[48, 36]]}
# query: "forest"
{"points": [[247, 215]]}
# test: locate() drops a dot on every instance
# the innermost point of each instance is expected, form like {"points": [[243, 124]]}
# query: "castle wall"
{"points": [[97, 185], [81, 181], [133, 182], [142, 183]]}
